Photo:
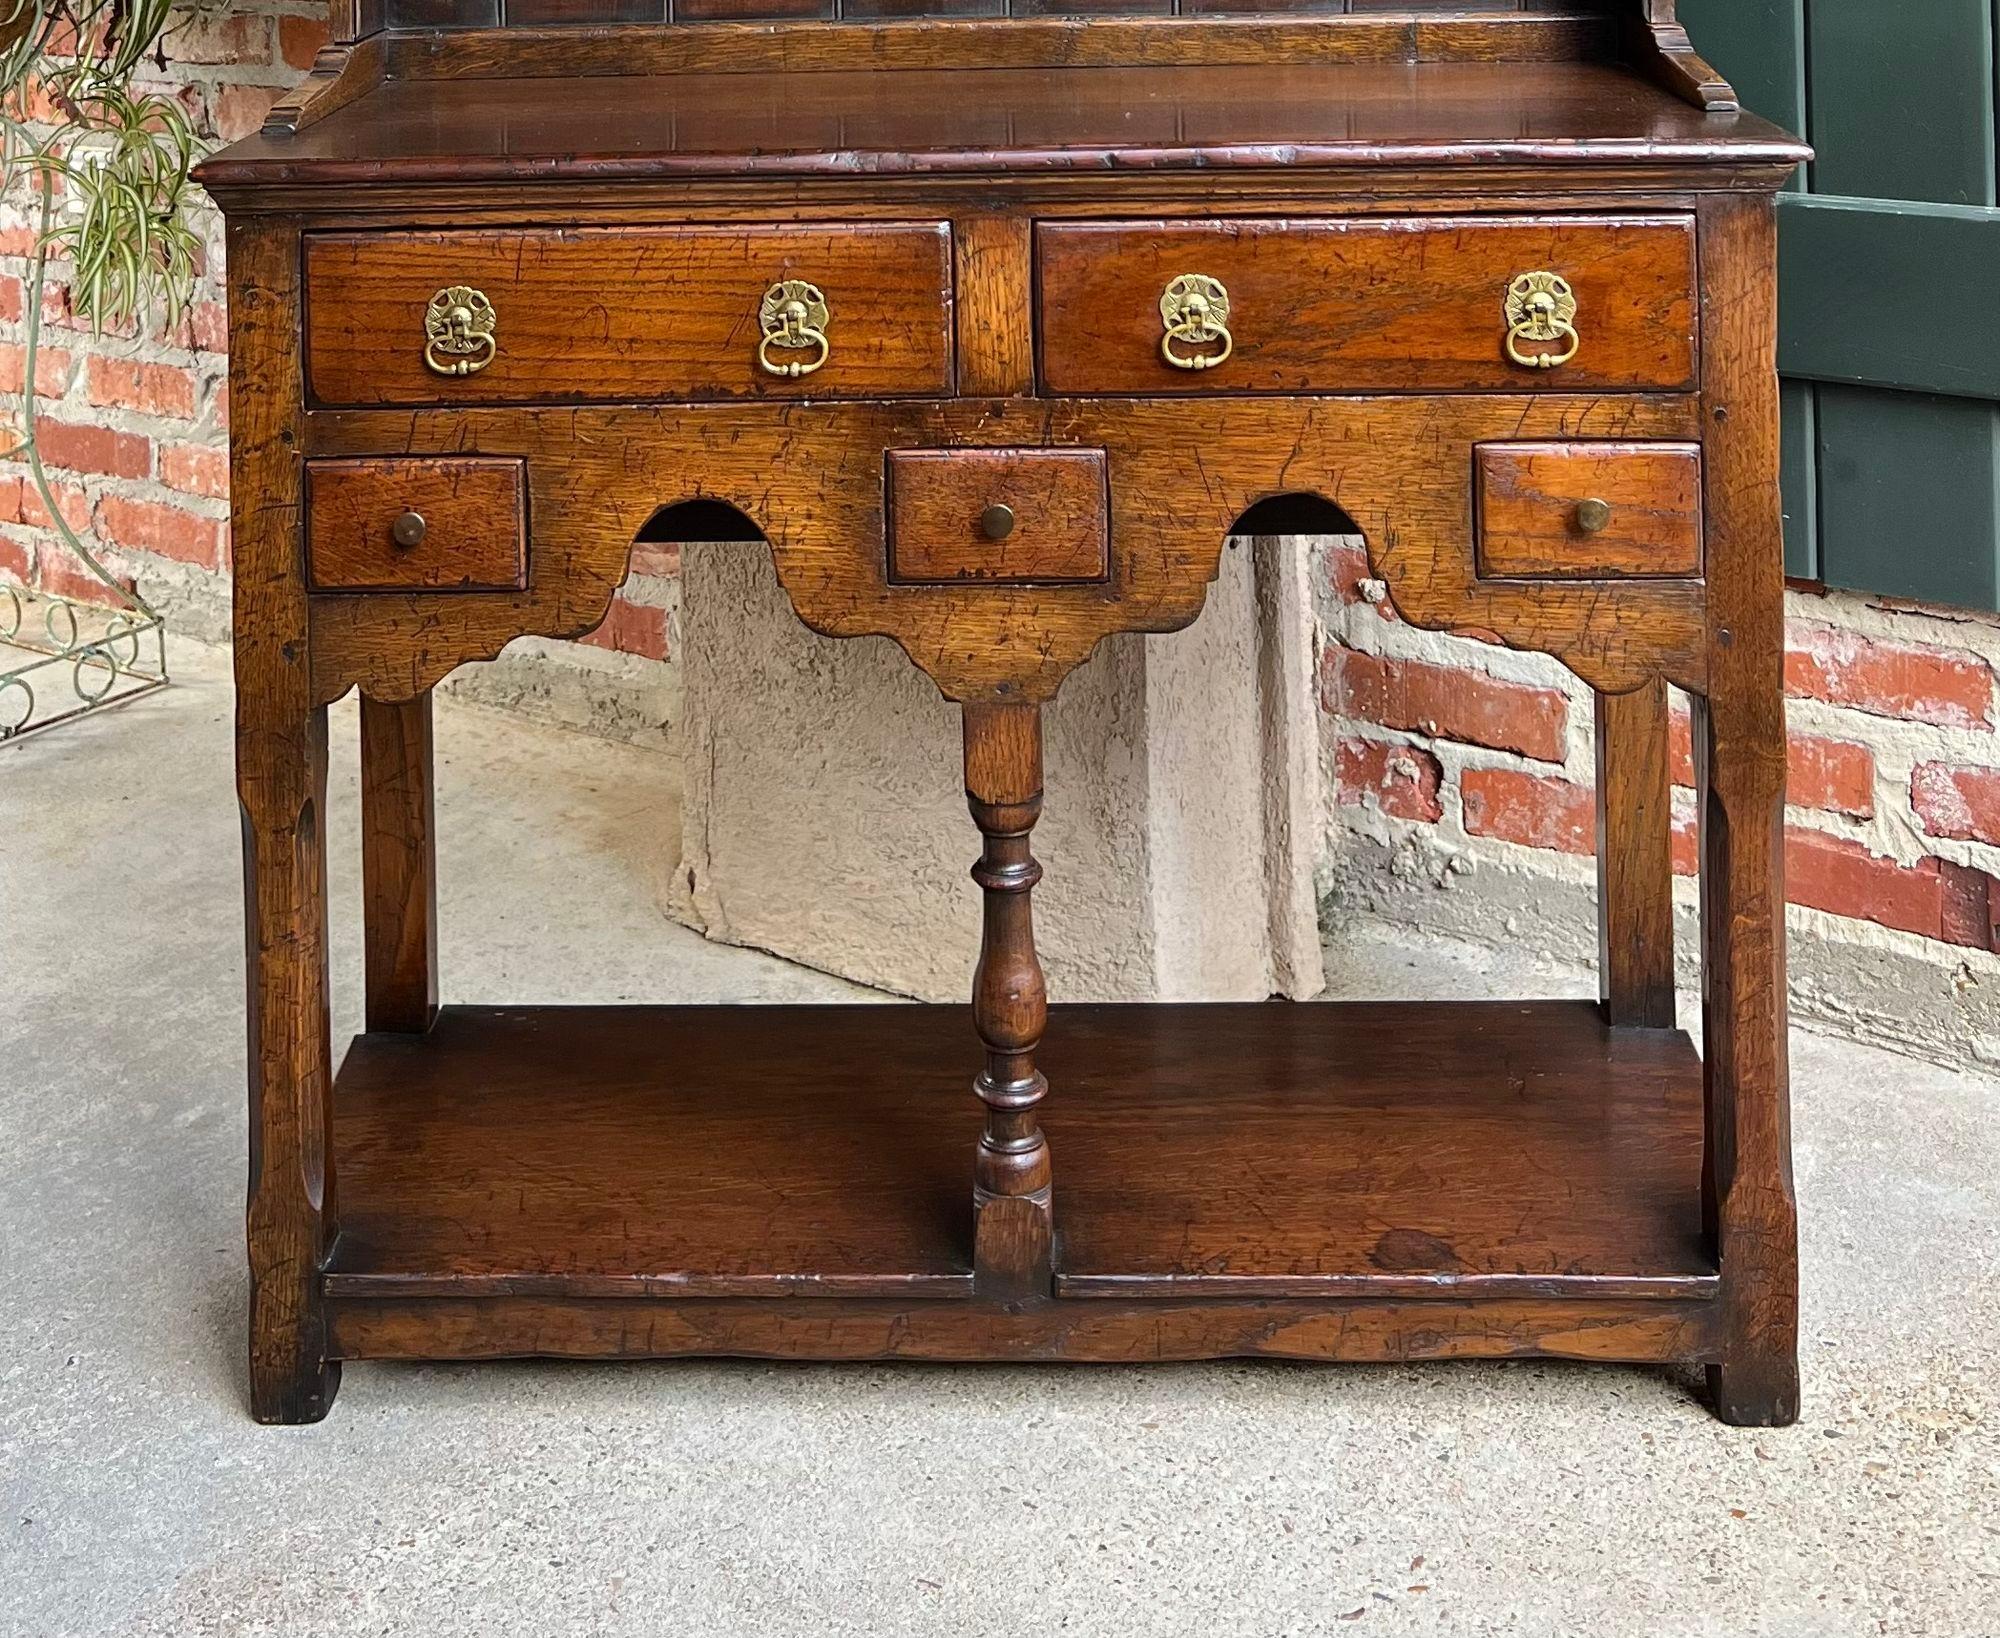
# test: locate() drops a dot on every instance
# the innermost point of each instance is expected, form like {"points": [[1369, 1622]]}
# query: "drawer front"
{"points": [[457, 524], [629, 314], [1368, 306], [1589, 511], [1007, 516]]}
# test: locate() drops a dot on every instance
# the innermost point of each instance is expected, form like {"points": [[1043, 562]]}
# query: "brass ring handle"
{"points": [[1198, 361], [807, 337], [458, 327], [1540, 309], [1541, 358], [482, 353], [1195, 310], [794, 318]]}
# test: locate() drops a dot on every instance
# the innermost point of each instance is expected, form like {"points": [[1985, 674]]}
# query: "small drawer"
{"points": [[629, 315], [1006, 516], [458, 524], [1434, 304], [1589, 511]]}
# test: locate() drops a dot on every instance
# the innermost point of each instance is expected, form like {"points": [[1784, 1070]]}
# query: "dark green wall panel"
{"points": [[1902, 99], [1888, 294], [1759, 47], [1801, 481], [1889, 284], [1909, 495]]}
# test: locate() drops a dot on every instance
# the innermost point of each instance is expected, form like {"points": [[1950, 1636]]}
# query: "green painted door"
{"points": [[1888, 285]]}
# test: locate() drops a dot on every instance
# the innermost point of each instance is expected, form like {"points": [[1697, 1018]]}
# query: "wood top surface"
{"points": [[996, 120]]}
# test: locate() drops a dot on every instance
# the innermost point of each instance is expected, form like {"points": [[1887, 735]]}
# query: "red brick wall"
{"points": [[134, 429], [1896, 778], [1895, 768]]}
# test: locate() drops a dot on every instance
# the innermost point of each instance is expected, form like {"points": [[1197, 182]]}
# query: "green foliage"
{"points": [[118, 156], [105, 165]]}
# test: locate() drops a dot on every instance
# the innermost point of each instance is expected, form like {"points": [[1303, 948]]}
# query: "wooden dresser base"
{"points": [[994, 331], [1339, 1181]]}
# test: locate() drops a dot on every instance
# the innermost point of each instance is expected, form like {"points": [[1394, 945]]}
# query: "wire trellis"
{"points": [[63, 659]]}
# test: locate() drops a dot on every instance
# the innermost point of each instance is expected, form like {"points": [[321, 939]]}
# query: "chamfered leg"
{"points": [[1739, 742], [1635, 867], [281, 771], [281, 784], [399, 864]]}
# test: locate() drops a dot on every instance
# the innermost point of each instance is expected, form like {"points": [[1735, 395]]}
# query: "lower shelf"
{"points": [[1377, 1181]]}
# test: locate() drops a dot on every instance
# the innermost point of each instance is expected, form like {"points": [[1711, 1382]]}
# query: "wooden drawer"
{"points": [[1008, 516], [1414, 305], [1587, 511], [625, 314], [469, 531]]}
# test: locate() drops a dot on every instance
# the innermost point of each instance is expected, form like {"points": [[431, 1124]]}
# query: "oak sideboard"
{"points": [[994, 319]]}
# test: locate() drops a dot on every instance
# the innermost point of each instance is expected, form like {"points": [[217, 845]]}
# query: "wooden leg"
{"points": [[1739, 745], [1747, 1176], [1635, 866], [281, 782], [1010, 1177], [281, 772], [399, 864]]}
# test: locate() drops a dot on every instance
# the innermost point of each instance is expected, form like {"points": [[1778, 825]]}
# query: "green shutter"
{"points": [[1889, 284]]}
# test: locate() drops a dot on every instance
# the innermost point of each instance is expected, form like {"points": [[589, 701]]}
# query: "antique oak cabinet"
{"points": [[994, 323]]}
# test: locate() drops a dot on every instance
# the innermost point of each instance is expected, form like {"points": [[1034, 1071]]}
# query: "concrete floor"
{"points": [[136, 1497]]}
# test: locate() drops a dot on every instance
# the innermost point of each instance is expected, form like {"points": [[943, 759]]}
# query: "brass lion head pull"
{"points": [[793, 317], [1195, 310], [1541, 314], [458, 327]]}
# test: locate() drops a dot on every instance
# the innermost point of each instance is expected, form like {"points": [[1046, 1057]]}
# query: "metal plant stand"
{"points": [[61, 659]]}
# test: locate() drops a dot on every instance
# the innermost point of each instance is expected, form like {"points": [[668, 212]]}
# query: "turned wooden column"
{"points": [[1010, 1172]]}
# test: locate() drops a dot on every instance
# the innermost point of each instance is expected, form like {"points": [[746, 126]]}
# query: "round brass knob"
{"points": [[997, 522], [408, 529], [1592, 516]]}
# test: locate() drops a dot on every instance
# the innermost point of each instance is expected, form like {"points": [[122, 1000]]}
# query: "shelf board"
{"points": [[1470, 1149], [1505, 1151], [655, 1151]]}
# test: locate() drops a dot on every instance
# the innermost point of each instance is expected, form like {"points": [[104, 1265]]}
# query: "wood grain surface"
{"points": [[1635, 859], [1056, 499], [1739, 745], [1383, 305], [1528, 521], [817, 119], [810, 476], [399, 914], [1519, 1180], [1505, 1150], [630, 313], [475, 524], [281, 756]]}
